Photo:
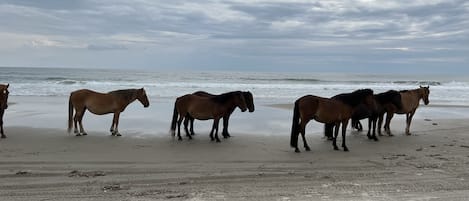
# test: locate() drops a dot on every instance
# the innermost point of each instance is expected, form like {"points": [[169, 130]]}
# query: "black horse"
{"points": [[351, 100], [384, 102]]}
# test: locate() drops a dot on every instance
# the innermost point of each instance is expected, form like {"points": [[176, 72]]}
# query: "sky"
{"points": [[429, 36]]}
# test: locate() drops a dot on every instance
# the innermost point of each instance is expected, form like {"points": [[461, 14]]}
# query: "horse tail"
{"points": [[70, 114], [175, 116], [295, 126]]}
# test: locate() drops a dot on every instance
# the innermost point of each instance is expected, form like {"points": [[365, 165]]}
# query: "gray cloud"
{"points": [[236, 34]]}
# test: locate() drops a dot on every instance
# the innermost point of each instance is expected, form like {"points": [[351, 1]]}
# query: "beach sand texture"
{"points": [[48, 164]]}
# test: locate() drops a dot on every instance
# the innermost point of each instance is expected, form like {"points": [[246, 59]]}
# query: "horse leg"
{"points": [[192, 126], [380, 123], [344, 129], [216, 121], [369, 129], [116, 124], [225, 127], [409, 120], [186, 123], [80, 121], [1, 123], [374, 129], [113, 130], [336, 133], [179, 126], [303, 132], [387, 127]]}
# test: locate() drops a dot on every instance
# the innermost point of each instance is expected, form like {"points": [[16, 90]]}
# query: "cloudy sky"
{"points": [[256, 35]]}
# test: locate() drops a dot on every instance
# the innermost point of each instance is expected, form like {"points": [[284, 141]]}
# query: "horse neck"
{"points": [[128, 96]]}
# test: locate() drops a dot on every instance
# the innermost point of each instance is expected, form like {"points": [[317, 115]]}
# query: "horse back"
{"points": [[410, 101], [323, 110], [198, 107], [95, 102], [203, 94]]}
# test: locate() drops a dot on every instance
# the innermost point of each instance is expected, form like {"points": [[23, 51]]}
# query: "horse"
{"points": [[355, 102], [383, 102], [102, 103], [3, 105], [410, 102], [249, 102], [204, 108], [325, 110]]}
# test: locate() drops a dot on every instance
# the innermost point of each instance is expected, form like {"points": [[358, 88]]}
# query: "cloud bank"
{"points": [[276, 35]]}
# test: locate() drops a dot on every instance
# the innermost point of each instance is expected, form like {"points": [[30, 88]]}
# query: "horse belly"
{"points": [[99, 108]]}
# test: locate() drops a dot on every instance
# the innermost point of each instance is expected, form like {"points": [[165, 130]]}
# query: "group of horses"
{"points": [[333, 112], [338, 110]]}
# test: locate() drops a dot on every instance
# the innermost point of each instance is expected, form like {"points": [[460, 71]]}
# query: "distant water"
{"points": [[275, 87]]}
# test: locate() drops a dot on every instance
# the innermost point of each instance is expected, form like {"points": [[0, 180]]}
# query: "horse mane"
{"points": [[126, 94], [404, 91], [355, 98], [223, 98]]}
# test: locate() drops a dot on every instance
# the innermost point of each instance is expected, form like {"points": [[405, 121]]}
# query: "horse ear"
{"points": [[8, 85]]}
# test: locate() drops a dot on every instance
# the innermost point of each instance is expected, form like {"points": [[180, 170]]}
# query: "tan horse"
{"points": [[204, 108], [3, 105], [249, 102], [325, 110], [102, 103], [410, 102]]}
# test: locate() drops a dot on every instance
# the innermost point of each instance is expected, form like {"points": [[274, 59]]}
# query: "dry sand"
{"points": [[48, 164]]}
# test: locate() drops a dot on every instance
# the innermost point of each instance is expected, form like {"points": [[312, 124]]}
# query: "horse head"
{"points": [[4, 96], [240, 101], [142, 97], [425, 92], [249, 100]]}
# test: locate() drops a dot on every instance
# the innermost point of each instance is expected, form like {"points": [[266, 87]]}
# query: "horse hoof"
{"points": [[376, 139], [118, 135], [346, 149], [3, 136], [84, 134], [180, 138], [78, 134], [390, 135], [336, 148], [297, 150], [307, 149]]}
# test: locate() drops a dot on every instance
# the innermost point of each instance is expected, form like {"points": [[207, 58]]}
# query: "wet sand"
{"points": [[38, 163]]}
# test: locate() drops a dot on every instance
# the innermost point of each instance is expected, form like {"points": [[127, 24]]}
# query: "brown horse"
{"points": [[3, 105], [324, 110], [102, 103], [204, 108], [249, 102], [410, 102]]}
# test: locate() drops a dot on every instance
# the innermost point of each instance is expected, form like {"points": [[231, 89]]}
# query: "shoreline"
{"points": [[45, 164], [40, 161]]}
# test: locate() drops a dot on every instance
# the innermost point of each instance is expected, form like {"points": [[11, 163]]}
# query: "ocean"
{"points": [[273, 87], [39, 97]]}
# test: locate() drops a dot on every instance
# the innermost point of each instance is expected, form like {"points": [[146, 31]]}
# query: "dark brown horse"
{"points": [[383, 103], [325, 110], [3, 105], [410, 102], [352, 100], [102, 103], [204, 108], [249, 103]]}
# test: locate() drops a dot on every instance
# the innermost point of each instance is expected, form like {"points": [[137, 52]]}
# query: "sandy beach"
{"points": [[40, 161]]}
